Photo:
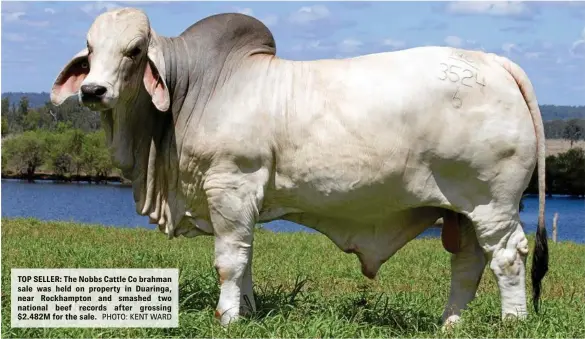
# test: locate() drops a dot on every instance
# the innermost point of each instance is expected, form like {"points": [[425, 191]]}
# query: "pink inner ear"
{"points": [[71, 79], [154, 86]]}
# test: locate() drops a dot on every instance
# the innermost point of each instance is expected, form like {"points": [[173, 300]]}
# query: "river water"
{"points": [[112, 205]]}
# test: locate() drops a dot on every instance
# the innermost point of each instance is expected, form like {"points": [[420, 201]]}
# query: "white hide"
{"points": [[369, 150], [365, 148]]}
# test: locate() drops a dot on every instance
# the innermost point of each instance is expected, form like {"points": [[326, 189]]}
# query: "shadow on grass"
{"points": [[199, 294], [272, 301], [379, 310]]}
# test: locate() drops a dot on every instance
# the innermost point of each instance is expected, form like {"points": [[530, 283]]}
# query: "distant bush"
{"points": [[26, 152], [565, 174]]}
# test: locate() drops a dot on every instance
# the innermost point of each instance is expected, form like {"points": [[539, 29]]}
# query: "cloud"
{"points": [[13, 6], [532, 55], [94, 8], [309, 14], [312, 45], [509, 47], [350, 45], [49, 10], [578, 47], [142, 3], [430, 25], [20, 62], [12, 17], [515, 29], [393, 44], [356, 4], [512, 9], [454, 41], [247, 11], [36, 23], [315, 22], [14, 37], [575, 8], [19, 18], [270, 20]]}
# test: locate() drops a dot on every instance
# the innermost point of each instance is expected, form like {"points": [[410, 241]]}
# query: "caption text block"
{"points": [[94, 297]]}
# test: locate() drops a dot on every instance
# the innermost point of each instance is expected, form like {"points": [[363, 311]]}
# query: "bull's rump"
{"points": [[397, 130]]}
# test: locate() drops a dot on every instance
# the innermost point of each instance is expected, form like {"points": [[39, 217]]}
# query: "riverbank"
{"points": [[335, 300], [43, 176]]}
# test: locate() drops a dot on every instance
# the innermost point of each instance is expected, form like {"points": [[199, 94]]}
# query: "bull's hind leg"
{"points": [[467, 264], [503, 240]]}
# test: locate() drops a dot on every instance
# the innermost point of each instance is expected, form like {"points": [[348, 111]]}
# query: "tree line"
{"points": [[63, 154], [68, 143], [63, 142]]}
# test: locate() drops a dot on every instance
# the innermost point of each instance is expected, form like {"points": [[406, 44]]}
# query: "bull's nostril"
{"points": [[100, 90], [93, 90]]}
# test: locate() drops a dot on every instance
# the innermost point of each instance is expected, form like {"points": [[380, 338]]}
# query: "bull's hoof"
{"points": [[514, 316], [450, 323], [226, 318]]}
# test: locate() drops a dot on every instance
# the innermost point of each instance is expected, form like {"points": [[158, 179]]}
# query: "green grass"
{"points": [[304, 285]]}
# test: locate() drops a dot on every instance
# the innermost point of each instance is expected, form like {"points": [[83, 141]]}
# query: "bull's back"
{"points": [[377, 128]]}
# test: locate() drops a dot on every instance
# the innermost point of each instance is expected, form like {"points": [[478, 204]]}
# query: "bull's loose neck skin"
{"points": [[142, 138], [147, 143]]}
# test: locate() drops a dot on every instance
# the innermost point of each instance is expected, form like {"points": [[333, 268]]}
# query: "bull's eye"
{"points": [[134, 52], [84, 65]]}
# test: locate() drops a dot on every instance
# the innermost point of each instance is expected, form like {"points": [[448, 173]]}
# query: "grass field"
{"points": [[556, 146], [333, 299]]}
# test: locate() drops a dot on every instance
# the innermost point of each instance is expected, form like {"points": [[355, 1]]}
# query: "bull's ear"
{"points": [[70, 78], [154, 79]]}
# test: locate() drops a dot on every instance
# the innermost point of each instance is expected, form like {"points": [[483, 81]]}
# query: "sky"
{"points": [[547, 39]]}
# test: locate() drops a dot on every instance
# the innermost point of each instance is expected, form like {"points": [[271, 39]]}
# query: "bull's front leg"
{"points": [[232, 255], [247, 302], [234, 202]]}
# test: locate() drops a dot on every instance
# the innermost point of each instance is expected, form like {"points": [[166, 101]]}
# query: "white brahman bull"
{"points": [[217, 134]]}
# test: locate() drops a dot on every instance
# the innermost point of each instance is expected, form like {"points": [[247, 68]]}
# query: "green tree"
{"points": [[31, 121], [5, 128], [10, 112], [571, 172], [23, 106], [75, 142], [5, 112], [96, 156], [63, 126], [58, 155], [26, 152], [573, 131]]}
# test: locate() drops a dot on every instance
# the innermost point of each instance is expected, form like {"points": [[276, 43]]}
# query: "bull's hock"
{"points": [[348, 147]]}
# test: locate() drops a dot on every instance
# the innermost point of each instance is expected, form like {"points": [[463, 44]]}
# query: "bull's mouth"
{"points": [[96, 103]]}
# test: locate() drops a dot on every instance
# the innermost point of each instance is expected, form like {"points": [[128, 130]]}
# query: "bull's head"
{"points": [[122, 54]]}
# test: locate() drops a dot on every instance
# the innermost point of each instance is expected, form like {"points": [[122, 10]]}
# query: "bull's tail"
{"points": [[540, 257]]}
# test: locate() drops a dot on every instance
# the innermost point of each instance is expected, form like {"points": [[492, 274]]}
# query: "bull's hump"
{"points": [[232, 31]]}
